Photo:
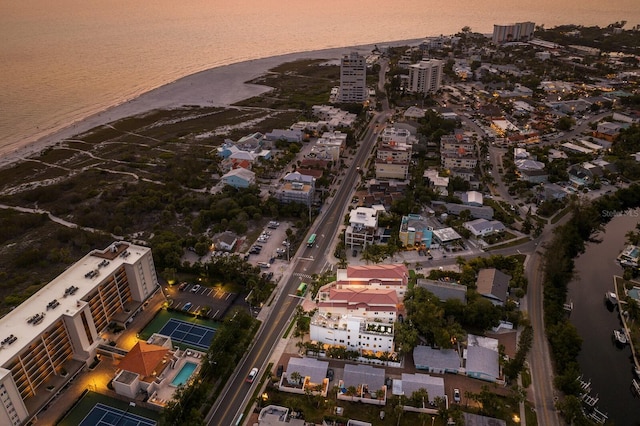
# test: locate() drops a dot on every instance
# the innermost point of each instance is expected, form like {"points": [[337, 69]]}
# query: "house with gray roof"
{"points": [[483, 227], [485, 212], [239, 178], [411, 383], [311, 373], [471, 419], [312, 368], [369, 382], [284, 135], [482, 363], [494, 285], [444, 290], [437, 361]]}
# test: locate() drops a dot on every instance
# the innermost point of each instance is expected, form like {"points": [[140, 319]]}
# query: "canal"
{"points": [[608, 366]]}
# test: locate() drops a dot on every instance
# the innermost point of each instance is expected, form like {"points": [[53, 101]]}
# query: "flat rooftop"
{"points": [[62, 296]]}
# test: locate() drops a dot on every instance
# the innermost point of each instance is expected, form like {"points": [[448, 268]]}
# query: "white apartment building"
{"points": [[453, 159], [353, 78], [332, 143], [54, 334], [425, 76], [392, 134], [358, 319], [363, 224], [393, 159], [521, 31], [456, 142]]}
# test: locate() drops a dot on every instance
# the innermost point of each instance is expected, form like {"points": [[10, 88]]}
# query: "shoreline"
{"points": [[219, 86]]}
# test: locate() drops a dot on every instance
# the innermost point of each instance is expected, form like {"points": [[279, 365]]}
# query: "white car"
{"points": [[456, 395], [252, 375]]}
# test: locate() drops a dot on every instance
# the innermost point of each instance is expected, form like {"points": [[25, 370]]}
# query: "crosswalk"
{"points": [[303, 276]]}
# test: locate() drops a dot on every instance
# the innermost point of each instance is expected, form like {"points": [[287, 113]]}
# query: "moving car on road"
{"points": [[252, 375]]}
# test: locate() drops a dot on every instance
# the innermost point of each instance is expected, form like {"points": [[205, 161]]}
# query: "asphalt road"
{"points": [[307, 261]]}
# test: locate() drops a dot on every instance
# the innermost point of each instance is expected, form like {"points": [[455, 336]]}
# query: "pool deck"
{"points": [[166, 390]]}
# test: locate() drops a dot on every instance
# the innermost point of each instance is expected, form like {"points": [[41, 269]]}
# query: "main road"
{"points": [[308, 260]]}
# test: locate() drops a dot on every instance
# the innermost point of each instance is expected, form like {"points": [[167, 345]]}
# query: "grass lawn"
{"points": [[90, 399]]}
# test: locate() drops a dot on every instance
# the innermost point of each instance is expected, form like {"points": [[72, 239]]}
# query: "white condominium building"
{"points": [[521, 31], [51, 336], [425, 76], [353, 78]]}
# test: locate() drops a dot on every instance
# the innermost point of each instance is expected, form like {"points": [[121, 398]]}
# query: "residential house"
{"points": [[239, 178], [439, 183], [286, 135], [438, 361], [366, 379], [305, 375], [482, 358], [472, 198], [225, 241], [493, 285], [482, 227], [410, 383], [484, 212]]}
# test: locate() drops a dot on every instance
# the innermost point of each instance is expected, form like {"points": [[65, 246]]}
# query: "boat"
{"points": [[611, 297], [620, 336]]}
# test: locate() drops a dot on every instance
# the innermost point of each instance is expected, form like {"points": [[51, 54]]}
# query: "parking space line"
{"points": [[209, 291], [228, 295], [216, 314]]}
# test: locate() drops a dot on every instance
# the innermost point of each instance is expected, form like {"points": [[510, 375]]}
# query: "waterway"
{"points": [[608, 366]]}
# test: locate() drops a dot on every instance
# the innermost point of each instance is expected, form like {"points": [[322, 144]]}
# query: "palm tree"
{"points": [[295, 377]]}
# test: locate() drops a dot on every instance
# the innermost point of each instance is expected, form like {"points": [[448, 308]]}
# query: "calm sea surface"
{"points": [[63, 60], [608, 367]]}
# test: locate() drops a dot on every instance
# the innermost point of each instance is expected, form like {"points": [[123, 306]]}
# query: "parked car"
{"points": [[279, 370], [195, 288], [456, 395], [330, 374], [182, 286], [252, 375]]}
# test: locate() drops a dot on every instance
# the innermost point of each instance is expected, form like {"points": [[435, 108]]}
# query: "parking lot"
{"points": [[192, 298], [270, 247]]}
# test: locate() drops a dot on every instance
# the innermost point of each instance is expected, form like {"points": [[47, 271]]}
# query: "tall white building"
{"points": [[353, 78], [425, 76], [521, 31], [54, 334]]}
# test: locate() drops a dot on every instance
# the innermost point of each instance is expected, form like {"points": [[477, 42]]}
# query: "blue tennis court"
{"points": [[103, 415], [198, 336]]}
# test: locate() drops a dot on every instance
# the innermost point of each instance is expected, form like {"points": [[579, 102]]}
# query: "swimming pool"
{"points": [[183, 375]]}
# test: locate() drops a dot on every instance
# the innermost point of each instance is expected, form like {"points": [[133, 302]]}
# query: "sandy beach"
{"points": [[220, 86]]}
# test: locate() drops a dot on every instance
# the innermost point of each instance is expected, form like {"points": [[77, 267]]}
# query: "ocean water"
{"points": [[65, 60]]}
